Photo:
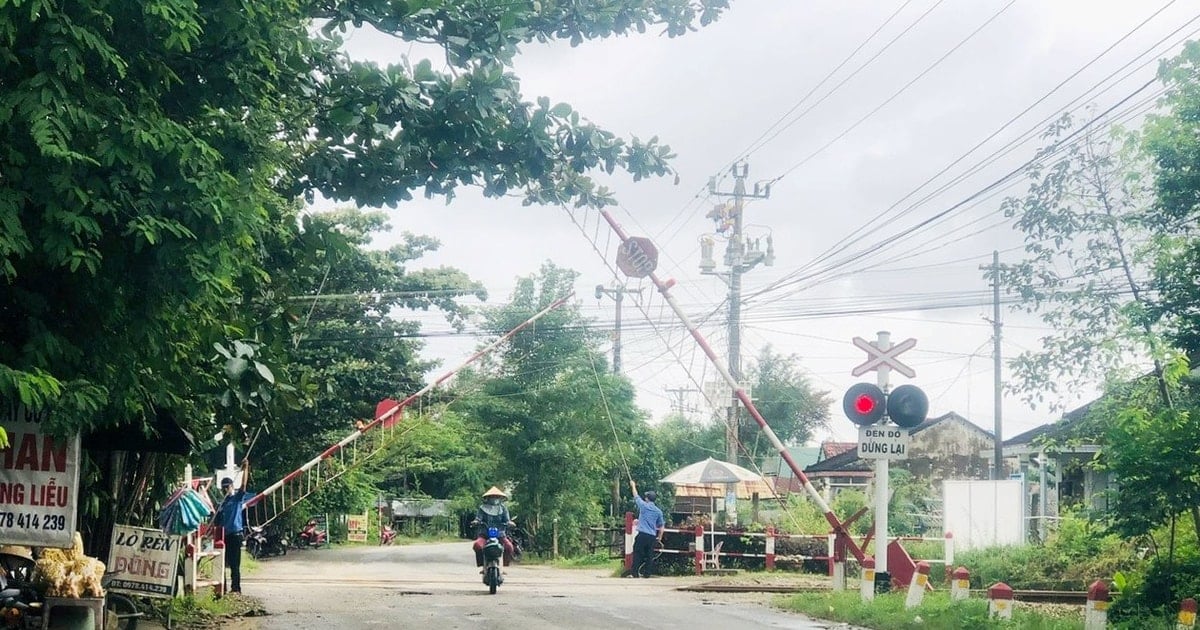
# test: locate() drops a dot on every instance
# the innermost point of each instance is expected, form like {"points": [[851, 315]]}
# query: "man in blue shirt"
{"points": [[650, 526], [229, 517]]}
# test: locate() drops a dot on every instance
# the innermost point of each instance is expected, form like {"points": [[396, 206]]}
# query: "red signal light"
{"points": [[863, 403]]}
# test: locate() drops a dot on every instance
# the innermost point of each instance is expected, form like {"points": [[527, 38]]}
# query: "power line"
{"points": [[891, 98]]}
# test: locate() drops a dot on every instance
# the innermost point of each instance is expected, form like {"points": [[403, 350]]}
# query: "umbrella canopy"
{"points": [[709, 478], [712, 471]]}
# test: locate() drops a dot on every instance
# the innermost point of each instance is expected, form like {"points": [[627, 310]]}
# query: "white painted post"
{"points": [[960, 584], [1000, 601], [883, 342], [866, 585], [1187, 615], [837, 566], [916, 588], [948, 551], [1095, 612]]}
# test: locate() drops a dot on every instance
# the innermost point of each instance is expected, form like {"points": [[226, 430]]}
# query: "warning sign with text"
{"points": [[356, 527], [882, 442], [143, 561], [39, 479]]}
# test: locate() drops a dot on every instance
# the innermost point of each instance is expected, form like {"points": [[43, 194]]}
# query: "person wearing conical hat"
{"points": [[493, 513]]}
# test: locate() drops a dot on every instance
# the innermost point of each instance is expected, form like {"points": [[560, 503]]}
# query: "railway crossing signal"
{"points": [[864, 404], [907, 406]]}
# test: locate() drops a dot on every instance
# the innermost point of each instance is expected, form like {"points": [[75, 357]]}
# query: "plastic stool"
{"points": [[73, 611]]}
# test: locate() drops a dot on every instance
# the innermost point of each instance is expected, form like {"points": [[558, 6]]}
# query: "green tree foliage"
{"points": [[1172, 139], [150, 148], [153, 156], [1088, 236], [543, 415], [787, 400]]}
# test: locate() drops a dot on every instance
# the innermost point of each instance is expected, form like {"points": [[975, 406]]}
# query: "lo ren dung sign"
{"points": [[143, 561], [39, 479]]}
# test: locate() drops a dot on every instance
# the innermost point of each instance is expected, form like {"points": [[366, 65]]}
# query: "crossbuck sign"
{"points": [[877, 358]]}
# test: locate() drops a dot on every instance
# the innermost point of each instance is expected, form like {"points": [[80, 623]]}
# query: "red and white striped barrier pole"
{"points": [[960, 584], [1095, 611], [866, 584], [699, 550], [629, 541], [916, 588], [770, 548], [1187, 615], [664, 288], [1000, 601]]}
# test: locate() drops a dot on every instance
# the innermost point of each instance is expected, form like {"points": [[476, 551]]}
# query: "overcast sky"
{"points": [[845, 155]]}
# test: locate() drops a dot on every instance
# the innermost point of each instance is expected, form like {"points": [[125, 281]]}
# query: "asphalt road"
{"points": [[437, 586]]}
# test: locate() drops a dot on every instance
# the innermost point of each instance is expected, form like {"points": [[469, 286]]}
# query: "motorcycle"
{"points": [[493, 558], [20, 603], [387, 535], [262, 543], [310, 536]]}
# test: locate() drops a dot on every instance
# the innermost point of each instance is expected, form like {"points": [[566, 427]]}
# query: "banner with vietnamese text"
{"points": [[39, 480]]}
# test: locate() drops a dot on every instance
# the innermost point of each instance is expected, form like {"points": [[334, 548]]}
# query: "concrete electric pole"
{"points": [[618, 294], [998, 394], [741, 255]]}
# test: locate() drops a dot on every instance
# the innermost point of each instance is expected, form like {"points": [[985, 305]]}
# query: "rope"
{"points": [[608, 414]]}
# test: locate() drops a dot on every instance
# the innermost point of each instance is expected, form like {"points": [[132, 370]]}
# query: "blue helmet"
{"points": [[493, 532]]}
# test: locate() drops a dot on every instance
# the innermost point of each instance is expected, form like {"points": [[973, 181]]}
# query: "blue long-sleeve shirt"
{"points": [[650, 517], [229, 514]]}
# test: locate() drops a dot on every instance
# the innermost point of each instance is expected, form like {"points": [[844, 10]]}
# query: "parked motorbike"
{"points": [[20, 603], [387, 535], [262, 543], [493, 558], [310, 536]]}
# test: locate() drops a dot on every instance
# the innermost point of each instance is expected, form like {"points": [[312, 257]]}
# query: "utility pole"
{"points": [[998, 453], [678, 403], [618, 294], [740, 256]]}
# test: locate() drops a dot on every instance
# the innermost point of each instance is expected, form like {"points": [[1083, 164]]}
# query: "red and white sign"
{"points": [[39, 481], [637, 257], [877, 358]]}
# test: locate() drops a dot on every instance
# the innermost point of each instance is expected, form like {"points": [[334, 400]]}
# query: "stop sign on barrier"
{"points": [[637, 257]]}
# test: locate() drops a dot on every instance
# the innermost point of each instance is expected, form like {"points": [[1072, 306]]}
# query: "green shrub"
{"points": [[1157, 590]]}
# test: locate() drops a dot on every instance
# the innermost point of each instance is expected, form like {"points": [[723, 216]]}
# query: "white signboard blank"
{"points": [[982, 513]]}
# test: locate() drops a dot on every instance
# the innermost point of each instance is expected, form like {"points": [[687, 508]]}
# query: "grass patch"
{"points": [[937, 612], [593, 561], [203, 611]]}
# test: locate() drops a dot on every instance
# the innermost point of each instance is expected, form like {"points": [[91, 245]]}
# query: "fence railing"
{"points": [[702, 542]]}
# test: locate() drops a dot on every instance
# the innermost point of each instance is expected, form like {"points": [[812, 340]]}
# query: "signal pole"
{"points": [[740, 256], [618, 294]]}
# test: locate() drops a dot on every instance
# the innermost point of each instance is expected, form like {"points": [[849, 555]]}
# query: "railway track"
{"points": [[1033, 596]]}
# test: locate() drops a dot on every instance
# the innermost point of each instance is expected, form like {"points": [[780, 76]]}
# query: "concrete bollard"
{"points": [[1095, 612], [1000, 601], [699, 550], [866, 585], [960, 584], [916, 588], [1187, 615]]}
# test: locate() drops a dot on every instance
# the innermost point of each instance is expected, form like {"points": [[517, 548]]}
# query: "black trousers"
{"points": [[233, 560], [643, 554]]}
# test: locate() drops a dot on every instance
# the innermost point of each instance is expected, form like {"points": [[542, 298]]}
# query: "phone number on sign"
{"points": [[26, 520]]}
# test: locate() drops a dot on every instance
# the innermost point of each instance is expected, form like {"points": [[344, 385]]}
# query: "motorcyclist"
{"points": [[493, 513]]}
